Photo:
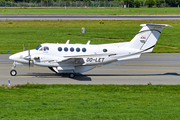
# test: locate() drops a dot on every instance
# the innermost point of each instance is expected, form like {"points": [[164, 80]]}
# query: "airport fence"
{"points": [[63, 4]]}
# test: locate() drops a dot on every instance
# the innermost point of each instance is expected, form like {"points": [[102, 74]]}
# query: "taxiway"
{"points": [[154, 68], [89, 17]]}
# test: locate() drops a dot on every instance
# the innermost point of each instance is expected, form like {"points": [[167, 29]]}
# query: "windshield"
{"points": [[37, 48]]}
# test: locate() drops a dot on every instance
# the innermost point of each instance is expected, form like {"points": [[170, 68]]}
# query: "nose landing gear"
{"points": [[13, 72]]}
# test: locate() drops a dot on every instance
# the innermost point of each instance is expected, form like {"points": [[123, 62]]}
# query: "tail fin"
{"points": [[147, 37]]}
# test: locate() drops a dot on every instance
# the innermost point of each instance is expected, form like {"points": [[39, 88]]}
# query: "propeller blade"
{"points": [[29, 55], [29, 64], [28, 50], [23, 48]]}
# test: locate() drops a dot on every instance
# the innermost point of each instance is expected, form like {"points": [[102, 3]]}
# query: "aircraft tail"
{"points": [[147, 37]]}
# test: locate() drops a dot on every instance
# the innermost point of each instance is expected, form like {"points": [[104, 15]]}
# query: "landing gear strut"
{"points": [[13, 72]]}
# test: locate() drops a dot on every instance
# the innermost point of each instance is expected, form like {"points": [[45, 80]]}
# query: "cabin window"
{"points": [[65, 49], [37, 48], [84, 49], [77, 49], [71, 49], [104, 50], [59, 49]]}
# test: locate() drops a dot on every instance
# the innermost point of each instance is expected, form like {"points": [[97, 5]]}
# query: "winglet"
{"points": [[67, 42], [88, 42]]}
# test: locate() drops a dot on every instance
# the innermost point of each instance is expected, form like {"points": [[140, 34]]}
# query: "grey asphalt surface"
{"points": [[89, 17], [149, 68]]}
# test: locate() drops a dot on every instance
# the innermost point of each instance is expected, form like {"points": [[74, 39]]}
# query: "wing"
{"points": [[79, 59], [72, 61]]}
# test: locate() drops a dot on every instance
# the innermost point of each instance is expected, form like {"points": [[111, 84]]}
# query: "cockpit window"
{"points": [[46, 48], [37, 48]]}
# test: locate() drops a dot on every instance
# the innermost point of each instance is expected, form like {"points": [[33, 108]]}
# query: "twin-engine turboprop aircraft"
{"points": [[78, 58]]}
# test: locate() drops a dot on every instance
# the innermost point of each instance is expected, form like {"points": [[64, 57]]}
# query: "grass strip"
{"points": [[94, 11], [33, 101], [16, 33]]}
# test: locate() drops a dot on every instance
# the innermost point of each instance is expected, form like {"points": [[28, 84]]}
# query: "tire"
{"points": [[13, 72], [71, 75]]}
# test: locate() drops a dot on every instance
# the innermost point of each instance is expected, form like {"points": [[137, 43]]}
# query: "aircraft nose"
{"points": [[13, 57]]}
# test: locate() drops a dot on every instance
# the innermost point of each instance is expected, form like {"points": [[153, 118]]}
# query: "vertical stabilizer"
{"points": [[147, 37]]}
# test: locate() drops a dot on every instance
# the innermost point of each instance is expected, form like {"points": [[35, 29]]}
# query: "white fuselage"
{"points": [[90, 55]]}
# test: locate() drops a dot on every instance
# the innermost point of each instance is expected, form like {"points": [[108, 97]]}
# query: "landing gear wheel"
{"points": [[13, 72], [71, 75]]}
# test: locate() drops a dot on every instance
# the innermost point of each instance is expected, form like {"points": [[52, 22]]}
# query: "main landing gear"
{"points": [[72, 75]]}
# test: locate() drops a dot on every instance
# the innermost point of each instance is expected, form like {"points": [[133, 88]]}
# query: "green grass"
{"points": [[94, 11], [16, 33], [99, 102]]}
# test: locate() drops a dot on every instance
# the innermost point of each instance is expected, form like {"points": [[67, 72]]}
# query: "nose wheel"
{"points": [[13, 72]]}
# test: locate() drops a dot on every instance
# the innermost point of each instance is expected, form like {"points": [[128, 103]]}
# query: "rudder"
{"points": [[147, 37]]}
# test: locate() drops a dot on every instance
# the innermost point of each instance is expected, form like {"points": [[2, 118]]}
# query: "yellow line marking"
{"points": [[16, 76], [24, 67], [157, 56], [177, 77], [128, 77], [149, 64], [10, 77], [5, 67], [137, 70]]}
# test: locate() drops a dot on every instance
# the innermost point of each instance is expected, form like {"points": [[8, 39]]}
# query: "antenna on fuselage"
{"points": [[88, 42], [67, 42]]}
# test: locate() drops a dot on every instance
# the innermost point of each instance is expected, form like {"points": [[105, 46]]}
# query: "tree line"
{"points": [[128, 3]]}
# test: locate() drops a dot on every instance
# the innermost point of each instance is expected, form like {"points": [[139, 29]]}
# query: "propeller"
{"points": [[29, 55], [23, 48]]}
